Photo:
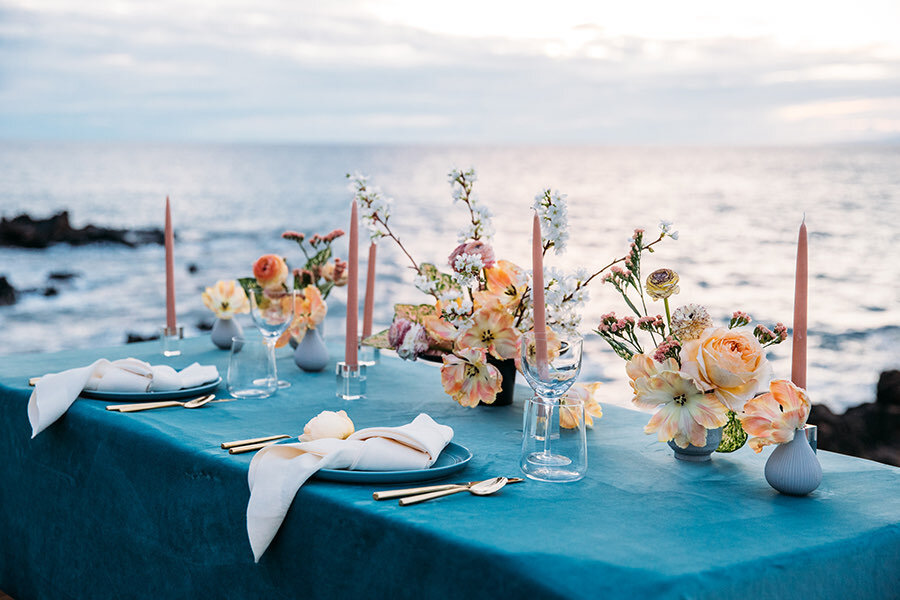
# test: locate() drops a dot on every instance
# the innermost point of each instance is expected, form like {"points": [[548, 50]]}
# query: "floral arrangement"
{"points": [[773, 417], [697, 375], [480, 307], [314, 281], [226, 299]]}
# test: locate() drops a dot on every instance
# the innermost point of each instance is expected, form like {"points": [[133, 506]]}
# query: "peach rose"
{"points": [[730, 362], [270, 271]]}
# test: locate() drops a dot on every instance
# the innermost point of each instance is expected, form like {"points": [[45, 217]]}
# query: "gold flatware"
{"points": [[194, 403], [482, 488], [227, 445], [391, 494], [254, 447]]}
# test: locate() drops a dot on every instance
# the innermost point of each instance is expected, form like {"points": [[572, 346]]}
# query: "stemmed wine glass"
{"points": [[548, 454], [272, 310]]}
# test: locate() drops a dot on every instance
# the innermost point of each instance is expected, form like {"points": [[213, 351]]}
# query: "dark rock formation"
{"points": [[61, 276], [205, 325], [7, 292], [869, 430], [137, 337], [25, 232]]}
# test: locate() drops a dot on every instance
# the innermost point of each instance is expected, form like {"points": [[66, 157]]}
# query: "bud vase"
{"points": [[311, 353], [793, 468], [222, 332], [699, 453]]}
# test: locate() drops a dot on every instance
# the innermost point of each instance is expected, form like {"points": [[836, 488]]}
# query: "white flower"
{"points": [[467, 269], [327, 424], [553, 211], [666, 228], [374, 209], [425, 284]]}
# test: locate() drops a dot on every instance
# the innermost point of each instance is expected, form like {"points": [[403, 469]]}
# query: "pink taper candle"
{"points": [[370, 293], [540, 319], [170, 270], [350, 358], [801, 283]]}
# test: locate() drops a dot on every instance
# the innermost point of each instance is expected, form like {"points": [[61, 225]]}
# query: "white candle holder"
{"points": [[351, 381], [170, 340]]}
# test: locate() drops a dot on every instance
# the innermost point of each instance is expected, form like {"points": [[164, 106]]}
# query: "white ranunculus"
{"points": [[328, 424]]}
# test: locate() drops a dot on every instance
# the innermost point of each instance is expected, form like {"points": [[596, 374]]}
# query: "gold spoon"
{"points": [[195, 403], [483, 488]]}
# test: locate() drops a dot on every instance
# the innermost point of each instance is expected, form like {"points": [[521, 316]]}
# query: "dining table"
{"points": [[104, 504]]}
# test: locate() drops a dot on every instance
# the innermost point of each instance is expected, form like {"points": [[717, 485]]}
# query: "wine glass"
{"points": [[548, 453], [272, 310]]}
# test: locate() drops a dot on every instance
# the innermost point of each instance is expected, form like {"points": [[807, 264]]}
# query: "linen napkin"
{"points": [[54, 393], [278, 471]]}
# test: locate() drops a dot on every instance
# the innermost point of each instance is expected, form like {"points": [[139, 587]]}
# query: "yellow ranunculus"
{"points": [[662, 283]]}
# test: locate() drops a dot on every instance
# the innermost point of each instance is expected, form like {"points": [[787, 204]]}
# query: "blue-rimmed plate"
{"points": [[152, 396], [452, 459]]}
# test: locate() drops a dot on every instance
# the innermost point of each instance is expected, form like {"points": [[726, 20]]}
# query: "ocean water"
{"points": [[737, 211]]}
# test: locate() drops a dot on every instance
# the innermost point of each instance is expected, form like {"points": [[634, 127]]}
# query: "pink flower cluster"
{"points": [[739, 319], [651, 323], [670, 348], [767, 337], [317, 239], [609, 323]]}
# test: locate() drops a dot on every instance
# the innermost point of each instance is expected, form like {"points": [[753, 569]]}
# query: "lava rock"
{"points": [[192, 268], [61, 276], [7, 292], [134, 338], [50, 291], [26, 232], [868, 430]]}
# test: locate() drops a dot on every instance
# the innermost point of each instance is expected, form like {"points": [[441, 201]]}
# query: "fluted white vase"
{"points": [[311, 354], [793, 467], [222, 332]]}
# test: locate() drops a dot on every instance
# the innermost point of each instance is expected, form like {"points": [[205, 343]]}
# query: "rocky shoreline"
{"points": [[24, 231], [870, 430]]}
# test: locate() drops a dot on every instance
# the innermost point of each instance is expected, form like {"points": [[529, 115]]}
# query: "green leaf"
{"points": [[319, 258], [378, 340], [733, 435]]}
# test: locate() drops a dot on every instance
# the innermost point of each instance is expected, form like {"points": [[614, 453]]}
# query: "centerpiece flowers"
{"points": [[480, 307], [697, 376], [314, 281]]}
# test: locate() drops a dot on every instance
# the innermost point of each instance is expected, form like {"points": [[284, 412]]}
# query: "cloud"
{"points": [[343, 72]]}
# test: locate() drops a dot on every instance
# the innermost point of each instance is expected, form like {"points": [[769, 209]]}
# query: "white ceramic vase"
{"points": [[222, 332], [793, 467], [311, 354]]}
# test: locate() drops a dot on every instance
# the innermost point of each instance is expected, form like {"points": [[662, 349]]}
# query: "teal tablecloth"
{"points": [[109, 505]]}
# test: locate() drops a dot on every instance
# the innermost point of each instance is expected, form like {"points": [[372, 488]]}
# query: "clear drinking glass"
{"points": [[272, 312], [554, 446], [250, 372]]}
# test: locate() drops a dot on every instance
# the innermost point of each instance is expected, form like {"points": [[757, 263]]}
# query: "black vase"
{"points": [[507, 368]]}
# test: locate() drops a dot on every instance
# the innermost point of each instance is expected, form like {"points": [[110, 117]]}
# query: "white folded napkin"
{"points": [[277, 472], [55, 393]]}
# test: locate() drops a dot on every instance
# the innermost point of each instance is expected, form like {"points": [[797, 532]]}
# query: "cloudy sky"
{"points": [[481, 71]]}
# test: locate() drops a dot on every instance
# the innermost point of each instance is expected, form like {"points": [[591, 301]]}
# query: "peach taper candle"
{"points": [[801, 298], [369, 304], [537, 295], [351, 342], [170, 271]]}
